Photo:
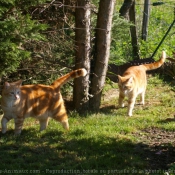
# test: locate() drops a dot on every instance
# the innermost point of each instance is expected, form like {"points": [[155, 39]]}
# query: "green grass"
{"points": [[103, 143]]}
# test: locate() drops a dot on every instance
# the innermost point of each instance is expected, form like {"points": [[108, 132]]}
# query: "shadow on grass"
{"points": [[108, 109], [71, 152], [53, 151], [167, 120]]}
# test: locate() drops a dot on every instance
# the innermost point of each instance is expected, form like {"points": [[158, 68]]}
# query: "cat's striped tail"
{"points": [[64, 79], [156, 64]]}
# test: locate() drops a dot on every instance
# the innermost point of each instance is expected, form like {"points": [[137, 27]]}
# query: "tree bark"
{"points": [[127, 11], [124, 10], [133, 32], [102, 51], [145, 19], [82, 51]]}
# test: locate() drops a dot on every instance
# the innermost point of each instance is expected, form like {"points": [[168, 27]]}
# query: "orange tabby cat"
{"points": [[39, 101], [134, 82]]}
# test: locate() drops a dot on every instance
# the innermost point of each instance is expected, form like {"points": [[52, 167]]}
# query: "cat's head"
{"points": [[12, 90], [125, 84]]}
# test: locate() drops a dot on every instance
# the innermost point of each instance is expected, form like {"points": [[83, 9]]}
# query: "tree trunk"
{"points": [[133, 32], [102, 51], [128, 12], [82, 50], [145, 19], [124, 10]]}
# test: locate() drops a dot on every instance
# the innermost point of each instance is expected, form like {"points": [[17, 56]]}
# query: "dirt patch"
{"points": [[157, 147], [109, 97], [111, 94]]}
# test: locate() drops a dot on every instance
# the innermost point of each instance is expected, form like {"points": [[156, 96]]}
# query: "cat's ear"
{"points": [[6, 85], [130, 79], [17, 83], [119, 78]]}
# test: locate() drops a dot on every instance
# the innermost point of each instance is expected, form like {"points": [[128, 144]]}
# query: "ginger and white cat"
{"points": [[38, 101], [134, 82]]}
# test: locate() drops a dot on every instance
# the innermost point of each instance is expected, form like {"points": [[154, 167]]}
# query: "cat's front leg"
{"points": [[121, 99], [142, 98], [4, 122], [131, 102], [43, 123], [18, 125]]}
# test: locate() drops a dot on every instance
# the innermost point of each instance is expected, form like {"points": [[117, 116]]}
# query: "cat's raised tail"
{"points": [[156, 64], [74, 74]]}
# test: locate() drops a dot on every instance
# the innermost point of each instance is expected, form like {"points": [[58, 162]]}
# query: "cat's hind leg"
{"points": [[65, 124], [63, 119], [18, 125], [142, 98], [61, 115]]}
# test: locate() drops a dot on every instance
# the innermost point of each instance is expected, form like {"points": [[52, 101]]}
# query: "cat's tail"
{"points": [[64, 79], [156, 64]]}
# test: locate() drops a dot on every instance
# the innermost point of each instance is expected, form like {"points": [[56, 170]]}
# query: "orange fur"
{"points": [[39, 101], [134, 82]]}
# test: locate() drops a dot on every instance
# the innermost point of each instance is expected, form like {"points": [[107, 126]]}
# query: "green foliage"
{"points": [[16, 30], [23, 46], [160, 19], [121, 44]]}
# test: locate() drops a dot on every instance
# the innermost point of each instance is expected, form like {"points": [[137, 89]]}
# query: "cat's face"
{"points": [[12, 90], [125, 84]]}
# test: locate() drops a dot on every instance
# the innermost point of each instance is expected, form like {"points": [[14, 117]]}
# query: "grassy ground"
{"points": [[105, 143]]}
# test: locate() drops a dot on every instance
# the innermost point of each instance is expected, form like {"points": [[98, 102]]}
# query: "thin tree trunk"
{"points": [[127, 11], [133, 31], [145, 20], [102, 50], [82, 60], [124, 10]]}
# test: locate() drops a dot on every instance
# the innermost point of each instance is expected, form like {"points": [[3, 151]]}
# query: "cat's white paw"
{"points": [[123, 105], [130, 114]]}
